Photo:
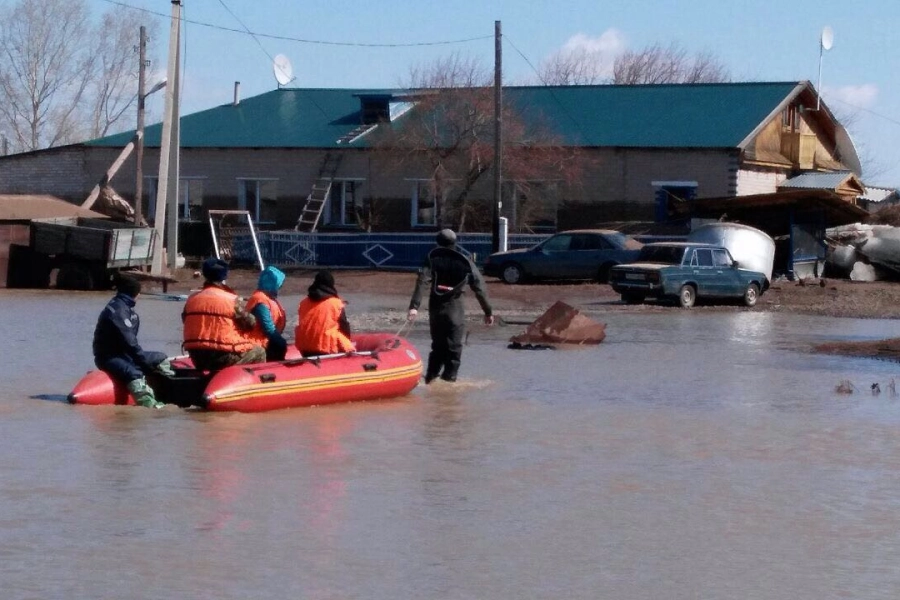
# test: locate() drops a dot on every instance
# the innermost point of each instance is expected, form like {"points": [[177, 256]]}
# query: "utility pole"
{"points": [[167, 192], [139, 150], [498, 135]]}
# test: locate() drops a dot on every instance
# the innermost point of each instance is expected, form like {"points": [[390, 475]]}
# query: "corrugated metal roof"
{"points": [[876, 194], [25, 207], [822, 181], [643, 116]]}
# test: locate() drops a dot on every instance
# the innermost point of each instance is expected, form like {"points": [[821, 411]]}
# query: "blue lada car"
{"points": [[685, 272]]}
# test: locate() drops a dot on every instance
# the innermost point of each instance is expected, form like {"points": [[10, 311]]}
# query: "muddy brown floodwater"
{"points": [[698, 453]]}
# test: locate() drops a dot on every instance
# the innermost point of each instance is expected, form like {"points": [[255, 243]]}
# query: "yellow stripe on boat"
{"points": [[309, 384]]}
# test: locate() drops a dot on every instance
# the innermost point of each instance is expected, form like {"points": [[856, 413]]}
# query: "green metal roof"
{"points": [[646, 116]]}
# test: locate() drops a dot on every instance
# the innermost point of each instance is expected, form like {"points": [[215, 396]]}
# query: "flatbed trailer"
{"points": [[85, 252]]}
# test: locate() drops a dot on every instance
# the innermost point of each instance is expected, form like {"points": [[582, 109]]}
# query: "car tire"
{"points": [[632, 298], [511, 273], [751, 295], [603, 272], [687, 296]]}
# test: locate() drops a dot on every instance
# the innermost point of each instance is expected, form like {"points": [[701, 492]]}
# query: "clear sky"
{"points": [[362, 43]]}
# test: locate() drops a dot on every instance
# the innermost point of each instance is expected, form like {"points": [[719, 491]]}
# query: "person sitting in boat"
{"points": [[218, 331], [323, 327], [116, 348], [263, 304]]}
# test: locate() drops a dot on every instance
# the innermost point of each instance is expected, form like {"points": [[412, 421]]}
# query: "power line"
{"points": [[303, 40], [872, 112], [550, 88]]}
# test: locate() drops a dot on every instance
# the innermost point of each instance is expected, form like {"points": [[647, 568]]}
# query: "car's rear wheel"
{"points": [[632, 298], [512, 273], [687, 296], [751, 295]]}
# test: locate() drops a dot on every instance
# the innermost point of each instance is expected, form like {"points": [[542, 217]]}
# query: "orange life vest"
{"points": [[275, 310], [209, 322], [318, 331]]}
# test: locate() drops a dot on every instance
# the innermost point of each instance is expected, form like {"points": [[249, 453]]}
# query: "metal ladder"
{"points": [[315, 202]]}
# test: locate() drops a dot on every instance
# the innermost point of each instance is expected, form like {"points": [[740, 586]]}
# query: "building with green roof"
{"points": [[406, 160]]}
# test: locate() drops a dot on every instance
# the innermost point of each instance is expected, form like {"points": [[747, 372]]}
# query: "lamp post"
{"points": [[139, 143]]}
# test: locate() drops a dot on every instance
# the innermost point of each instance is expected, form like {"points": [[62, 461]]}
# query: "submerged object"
{"points": [[384, 366], [560, 324], [754, 250]]}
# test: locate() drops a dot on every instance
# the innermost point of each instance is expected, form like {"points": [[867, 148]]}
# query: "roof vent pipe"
{"points": [[237, 93]]}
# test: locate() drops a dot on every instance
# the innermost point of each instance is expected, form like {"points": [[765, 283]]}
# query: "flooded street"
{"points": [[691, 455]]}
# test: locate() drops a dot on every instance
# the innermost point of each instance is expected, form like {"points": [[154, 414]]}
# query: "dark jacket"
{"points": [[446, 273], [116, 335]]}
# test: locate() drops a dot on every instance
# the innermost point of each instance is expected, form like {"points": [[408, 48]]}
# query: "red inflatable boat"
{"points": [[384, 366]]}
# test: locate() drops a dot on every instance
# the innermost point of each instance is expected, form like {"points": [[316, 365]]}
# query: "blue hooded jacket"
{"points": [[270, 281]]}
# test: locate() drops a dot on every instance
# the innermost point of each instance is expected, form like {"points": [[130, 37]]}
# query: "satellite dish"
{"points": [[827, 38], [284, 72]]}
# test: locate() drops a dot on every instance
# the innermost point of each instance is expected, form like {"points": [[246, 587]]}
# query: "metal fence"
{"points": [[362, 250], [372, 250]]}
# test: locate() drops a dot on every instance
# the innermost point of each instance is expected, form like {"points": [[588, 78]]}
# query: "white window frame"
{"points": [[417, 185], [511, 205], [338, 193], [242, 196], [185, 201]]}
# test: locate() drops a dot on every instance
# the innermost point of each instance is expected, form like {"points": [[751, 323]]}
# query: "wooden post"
{"points": [[498, 135]]}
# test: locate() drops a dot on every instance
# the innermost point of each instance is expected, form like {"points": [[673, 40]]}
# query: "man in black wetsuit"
{"points": [[447, 272]]}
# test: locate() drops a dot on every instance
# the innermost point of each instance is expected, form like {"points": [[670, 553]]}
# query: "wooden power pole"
{"points": [[498, 135]]}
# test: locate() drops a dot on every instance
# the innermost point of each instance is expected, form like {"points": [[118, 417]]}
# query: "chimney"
{"points": [[237, 93]]}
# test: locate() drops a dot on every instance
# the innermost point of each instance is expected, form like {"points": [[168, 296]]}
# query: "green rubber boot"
{"points": [[143, 394]]}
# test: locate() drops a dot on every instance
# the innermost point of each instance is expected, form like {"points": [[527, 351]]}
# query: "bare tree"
{"points": [[670, 64], [62, 78], [449, 135], [44, 69], [575, 67], [112, 91]]}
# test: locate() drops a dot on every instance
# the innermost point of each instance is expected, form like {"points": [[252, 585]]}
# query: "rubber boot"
{"points": [[143, 393]]}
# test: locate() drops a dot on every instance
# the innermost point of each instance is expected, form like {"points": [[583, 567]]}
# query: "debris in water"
{"points": [[844, 387], [560, 324]]}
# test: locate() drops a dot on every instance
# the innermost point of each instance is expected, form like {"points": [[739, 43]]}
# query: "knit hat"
{"points": [[322, 286], [270, 280], [446, 237], [324, 279], [215, 269], [128, 286]]}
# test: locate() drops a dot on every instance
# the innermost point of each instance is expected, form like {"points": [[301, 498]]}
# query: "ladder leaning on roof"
{"points": [[315, 202]]}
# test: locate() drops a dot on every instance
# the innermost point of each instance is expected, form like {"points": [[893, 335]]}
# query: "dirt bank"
{"points": [[522, 303], [833, 298]]}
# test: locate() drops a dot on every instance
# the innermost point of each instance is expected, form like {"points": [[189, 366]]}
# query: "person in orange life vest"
{"points": [[263, 304], [217, 329], [323, 327]]}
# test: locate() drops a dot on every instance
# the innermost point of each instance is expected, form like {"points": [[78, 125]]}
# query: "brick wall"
{"points": [[616, 182]]}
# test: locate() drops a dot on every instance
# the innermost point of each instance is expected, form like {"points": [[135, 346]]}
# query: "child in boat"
{"points": [[270, 318], [116, 348], [323, 327]]}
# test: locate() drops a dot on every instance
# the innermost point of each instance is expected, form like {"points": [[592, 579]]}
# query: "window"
{"points": [[721, 258], [190, 192], [790, 118], [530, 206], [702, 258], [558, 243], [344, 202], [259, 197], [424, 203]]}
